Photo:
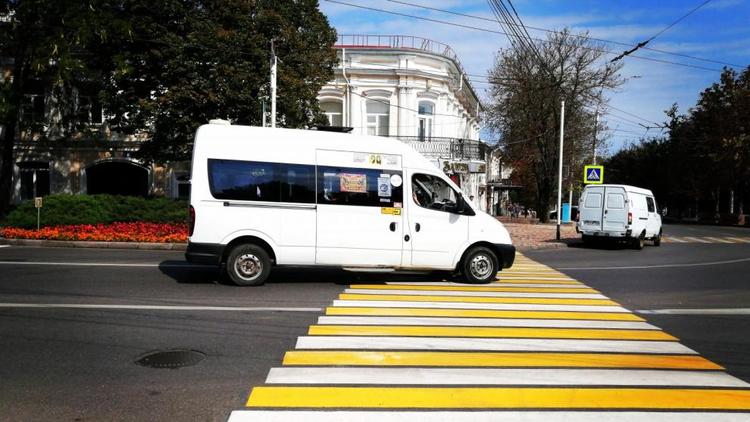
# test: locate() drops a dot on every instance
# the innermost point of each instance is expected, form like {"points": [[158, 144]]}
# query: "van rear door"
{"points": [[359, 209], [591, 209], [615, 210]]}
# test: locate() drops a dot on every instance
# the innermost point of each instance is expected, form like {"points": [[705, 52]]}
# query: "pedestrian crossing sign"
{"points": [[593, 175]]}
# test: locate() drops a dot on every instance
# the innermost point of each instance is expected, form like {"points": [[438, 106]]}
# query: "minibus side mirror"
{"points": [[461, 207]]}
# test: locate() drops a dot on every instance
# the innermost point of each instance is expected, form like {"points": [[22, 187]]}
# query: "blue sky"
{"points": [[719, 31]]}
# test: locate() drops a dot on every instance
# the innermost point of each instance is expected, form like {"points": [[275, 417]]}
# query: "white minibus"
{"points": [[619, 212], [266, 197]]}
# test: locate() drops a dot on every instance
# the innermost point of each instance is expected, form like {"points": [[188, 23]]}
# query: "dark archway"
{"points": [[117, 178]]}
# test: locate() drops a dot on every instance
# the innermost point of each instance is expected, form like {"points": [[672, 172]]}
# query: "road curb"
{"points": [[93, 244], [542, 246]]}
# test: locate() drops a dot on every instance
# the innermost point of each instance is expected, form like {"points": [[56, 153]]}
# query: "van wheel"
{"points": [[248, 265], [639, 242], [657, 239], [480, 265]]}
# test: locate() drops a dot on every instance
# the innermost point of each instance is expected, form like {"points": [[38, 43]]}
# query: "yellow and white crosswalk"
{"points": [[535, 346], [705, 239]]}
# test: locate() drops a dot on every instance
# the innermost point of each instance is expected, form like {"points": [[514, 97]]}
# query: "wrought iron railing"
{"points": [[400, 42], [448, 148]]}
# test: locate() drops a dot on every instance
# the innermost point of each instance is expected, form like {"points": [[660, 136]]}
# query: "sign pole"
{"points": [[38, 206], [560, 168], [273, 86]]}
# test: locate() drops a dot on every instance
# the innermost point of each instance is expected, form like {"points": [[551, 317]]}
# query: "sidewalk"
{"points": [[541, 236], [91, 244]]}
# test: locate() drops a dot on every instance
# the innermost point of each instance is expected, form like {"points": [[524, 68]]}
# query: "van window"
{"points": [[593, 200], [297, 183], [615, 201], [358, 186], [432, 192], [651, 204], [261, 181]]}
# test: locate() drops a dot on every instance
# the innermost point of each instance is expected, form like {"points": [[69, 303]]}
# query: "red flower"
{"points": [[115, 232]]}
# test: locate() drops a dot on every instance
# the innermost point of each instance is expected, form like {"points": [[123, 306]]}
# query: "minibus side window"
{"points": [[297, 183], [261, 181], [432, 192], [359, 186], [651, 204]]}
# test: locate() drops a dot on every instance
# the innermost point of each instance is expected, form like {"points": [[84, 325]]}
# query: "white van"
{"points": [[263, 197], [620, 212]]}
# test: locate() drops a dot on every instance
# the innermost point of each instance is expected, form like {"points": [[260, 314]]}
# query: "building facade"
{"points": [[416, 90]]}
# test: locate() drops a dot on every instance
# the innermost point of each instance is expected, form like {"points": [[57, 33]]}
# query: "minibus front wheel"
{"points": [[248, 265], [480, 265]]}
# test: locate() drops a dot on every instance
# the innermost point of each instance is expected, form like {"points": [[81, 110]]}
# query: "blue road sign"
{"points": [[593, 174]]}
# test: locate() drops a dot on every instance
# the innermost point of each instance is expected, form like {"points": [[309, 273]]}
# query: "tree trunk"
{"points": [[7, 142], [6, 167], [544, 189]]}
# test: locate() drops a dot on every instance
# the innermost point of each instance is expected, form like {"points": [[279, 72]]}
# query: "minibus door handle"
{"points": [[417, 227], [393, 227]]}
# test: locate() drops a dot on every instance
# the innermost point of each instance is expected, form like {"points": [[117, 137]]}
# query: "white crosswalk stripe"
{"points": [[705, 239]]}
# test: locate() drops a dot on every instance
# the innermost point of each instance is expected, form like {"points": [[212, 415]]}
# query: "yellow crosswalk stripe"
{"points": [[496, 359], [481, 313], [473, 299], [494, 398], [437, 331]]}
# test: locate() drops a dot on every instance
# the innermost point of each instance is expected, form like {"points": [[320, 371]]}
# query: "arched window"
{"points": [[332, 110], [377, 117], [426, 113]]}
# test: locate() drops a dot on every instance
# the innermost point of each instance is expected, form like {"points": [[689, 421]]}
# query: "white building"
{"points": [[414, 89]]}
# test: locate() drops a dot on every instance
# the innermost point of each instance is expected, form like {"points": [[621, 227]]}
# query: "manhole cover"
{"points": [[171, 358]]}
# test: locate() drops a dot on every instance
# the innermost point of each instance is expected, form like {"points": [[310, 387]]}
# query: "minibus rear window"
{"points": [[359, 186], [261, 181]]}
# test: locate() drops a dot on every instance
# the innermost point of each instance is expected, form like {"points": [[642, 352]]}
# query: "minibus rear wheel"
{"points": [[480, 265], [248, 265]]}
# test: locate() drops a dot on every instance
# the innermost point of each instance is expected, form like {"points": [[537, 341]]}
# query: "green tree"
{"points": [[701, 169], [160, 69], [44, 48], [527, 89], [186, 62]]}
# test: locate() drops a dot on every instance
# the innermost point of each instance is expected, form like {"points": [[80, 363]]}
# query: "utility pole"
{"points": [[596, 130], [559, 173], [273, 86]]}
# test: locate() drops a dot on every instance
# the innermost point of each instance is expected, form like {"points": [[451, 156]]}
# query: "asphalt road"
{"points": [[79, 364], [667, 279]]}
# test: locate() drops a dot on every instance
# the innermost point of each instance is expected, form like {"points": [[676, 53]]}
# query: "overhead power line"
{"points": [[551, 31], [642, 44], [442, 22]]}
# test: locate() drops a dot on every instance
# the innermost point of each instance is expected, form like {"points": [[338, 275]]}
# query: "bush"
{"points": [[98, 209]]}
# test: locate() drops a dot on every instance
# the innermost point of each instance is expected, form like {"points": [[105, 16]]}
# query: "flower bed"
{"points": [[115, 232]]}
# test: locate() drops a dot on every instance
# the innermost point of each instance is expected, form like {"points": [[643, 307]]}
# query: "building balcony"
{"points": [[447, 148], [398, 42]]}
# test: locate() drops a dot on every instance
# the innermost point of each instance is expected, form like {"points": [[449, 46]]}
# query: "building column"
{"points": [[403, 121]]}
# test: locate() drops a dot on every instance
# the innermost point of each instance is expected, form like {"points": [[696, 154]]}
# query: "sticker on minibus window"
{"points": [[355, 183], [396, 180], [384, 186]]}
